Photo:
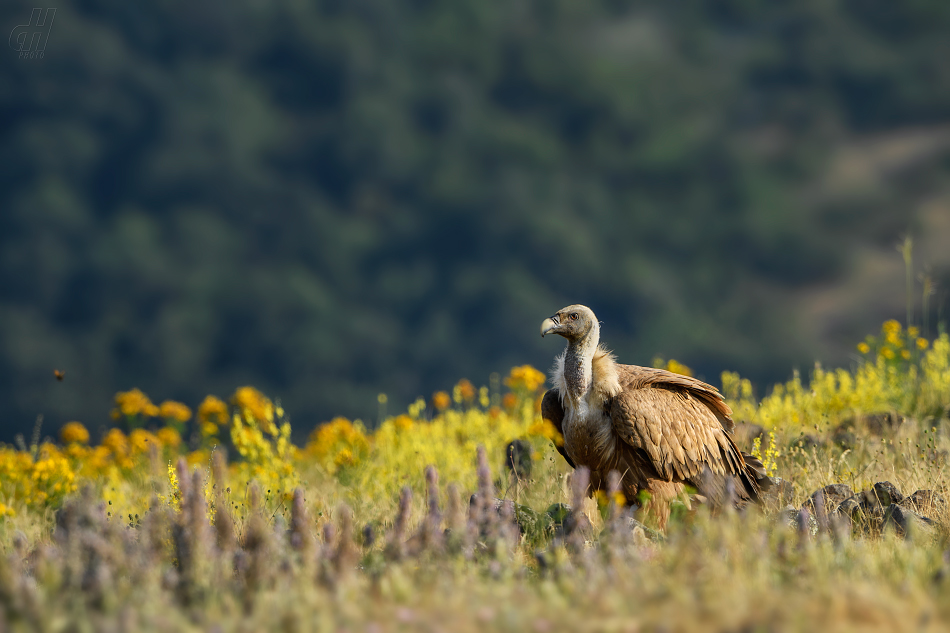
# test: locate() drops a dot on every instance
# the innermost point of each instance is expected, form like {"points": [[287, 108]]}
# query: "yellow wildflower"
{"points": [[116, 442], [509, 401], [168, 436], [913, 331], [905, 354], [483, 398], [403, 422], [678, 368], [524, 377], [465, 391], [887, 353], [340, 433], [173, 487], [891, 327], [603, 499], [253, 404], [52, 477], [441, 400], [545, 428], [78, 451], [417, 407], [922, 343], [140, 440], [133, 403], [74, 433], [209, 429], [864, 348], [344, 458], [171, 410]]}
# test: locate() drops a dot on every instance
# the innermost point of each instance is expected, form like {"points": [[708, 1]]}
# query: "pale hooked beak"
{"points": [[549, 325]]}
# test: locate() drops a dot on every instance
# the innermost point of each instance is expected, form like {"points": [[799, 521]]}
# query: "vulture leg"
{"points": [[656, 511]]}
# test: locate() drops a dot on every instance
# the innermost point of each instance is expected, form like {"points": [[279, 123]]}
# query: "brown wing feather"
{"points": [[553, 411], [679, 422], [635, 377]]}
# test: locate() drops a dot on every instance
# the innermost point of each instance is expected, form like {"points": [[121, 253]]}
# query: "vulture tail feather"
{"points": [[754, 476]]}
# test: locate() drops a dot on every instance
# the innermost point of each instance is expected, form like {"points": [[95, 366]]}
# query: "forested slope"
{"points": [[333, 199]]}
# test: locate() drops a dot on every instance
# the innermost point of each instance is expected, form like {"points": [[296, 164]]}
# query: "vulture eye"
{"points": [[573, 316]]}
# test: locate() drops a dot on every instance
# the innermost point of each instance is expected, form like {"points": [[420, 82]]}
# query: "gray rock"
{"points": [[806, 523], [782, 491], [518, 458], [883, 423], [844, 436], [788, 516], [925, 502], [887, 493], [850, 508], [807, 441], [746, 432], [833, 494], [905, 522], [862, 510]]}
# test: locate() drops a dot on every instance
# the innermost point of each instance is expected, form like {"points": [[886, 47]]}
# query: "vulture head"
{"points": [[573, 322]]}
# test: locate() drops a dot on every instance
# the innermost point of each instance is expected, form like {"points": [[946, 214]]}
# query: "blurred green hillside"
{"points": [[332, 199]]}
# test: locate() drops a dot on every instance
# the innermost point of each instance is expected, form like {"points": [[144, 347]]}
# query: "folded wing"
{"points": [[680, 424]]}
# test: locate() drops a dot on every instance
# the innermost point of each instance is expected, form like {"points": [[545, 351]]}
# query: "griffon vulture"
{"points": [[661, 431]]}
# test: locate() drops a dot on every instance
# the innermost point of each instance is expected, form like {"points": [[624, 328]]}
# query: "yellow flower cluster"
{"points": [[37, 483], [74, 433], [448, 442], [770, 457], [441, 401], [340, 443], [891, 380], [214, 410], [174, 411], [263, 441], [255, 408], [544, 428], [212, 414], [369, 464], [464, 391], [524, 378], [895, 344], [133, 403], [169, 436], [678, 368], [141, 441]]}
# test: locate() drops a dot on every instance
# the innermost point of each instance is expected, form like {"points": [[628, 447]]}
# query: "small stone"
{"points": [[518, 458], [807, 441], [887, 493]]}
